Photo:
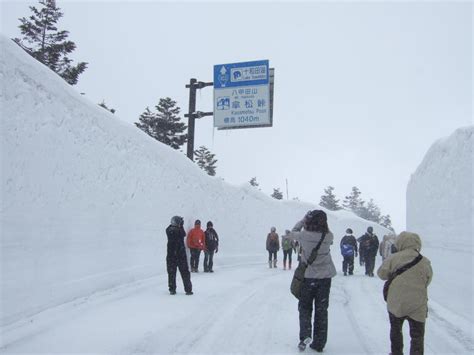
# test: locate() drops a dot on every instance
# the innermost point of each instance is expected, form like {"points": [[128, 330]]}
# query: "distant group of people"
{"points": [[197, 241], [288, 245], [409, 274], [367, 250]]}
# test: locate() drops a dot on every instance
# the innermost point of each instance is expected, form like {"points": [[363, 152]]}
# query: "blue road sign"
{"points": [[242, 95]]}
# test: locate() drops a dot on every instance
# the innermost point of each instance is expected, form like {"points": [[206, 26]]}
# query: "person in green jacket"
{"points": [[287, 245]]}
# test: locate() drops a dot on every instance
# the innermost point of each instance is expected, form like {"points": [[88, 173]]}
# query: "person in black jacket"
{"points": [[348, 251], [370, 243], [212, 245], [176, 256], [361, 252]]}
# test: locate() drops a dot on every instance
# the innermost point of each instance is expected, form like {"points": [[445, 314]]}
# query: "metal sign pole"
{"points": [[193, 114], [191, 118]]}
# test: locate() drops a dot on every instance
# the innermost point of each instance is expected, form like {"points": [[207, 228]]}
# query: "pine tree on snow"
{"points": [[43, 41], [386, 221], [277, 194], [253, 182], [353, 202], [205, 160], [164, 125], [328, 200], [373, 211]]}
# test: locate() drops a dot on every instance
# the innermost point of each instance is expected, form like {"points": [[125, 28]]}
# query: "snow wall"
{"points": [[440, 195], [440, 209], [85, 197]]}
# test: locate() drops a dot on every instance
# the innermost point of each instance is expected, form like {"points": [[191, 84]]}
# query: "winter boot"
{"points": [[318, 349], [289, 265], [284, 265], [270, 264], [302, 344], [275, 263]]}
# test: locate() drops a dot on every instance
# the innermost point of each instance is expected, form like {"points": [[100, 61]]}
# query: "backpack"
{"points": [[286, 244], [273, 242], [211, 239], [347, 250]]}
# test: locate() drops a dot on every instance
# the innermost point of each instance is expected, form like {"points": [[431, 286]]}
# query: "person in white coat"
{"points": [[317, 279]]}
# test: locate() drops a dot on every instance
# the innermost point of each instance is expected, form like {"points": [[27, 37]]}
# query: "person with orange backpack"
{"points": [[195, 242]]}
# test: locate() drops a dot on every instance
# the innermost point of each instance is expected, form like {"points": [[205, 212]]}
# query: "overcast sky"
{"points": [[362, 89]]}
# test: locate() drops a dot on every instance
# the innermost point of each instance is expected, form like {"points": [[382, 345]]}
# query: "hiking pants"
{"points": [[348, 263], [174, 263], [287, 254], [369, 264], [361, 256], [417, 335], [208, 260], [195, 253], [314, 291], [270, 254]]}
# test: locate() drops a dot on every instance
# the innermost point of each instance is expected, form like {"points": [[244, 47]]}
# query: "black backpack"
{"points": [[211, 239]]}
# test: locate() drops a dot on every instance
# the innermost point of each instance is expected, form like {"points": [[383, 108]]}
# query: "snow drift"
{"points": [[85, 198], [440, 195], [440, 209]]}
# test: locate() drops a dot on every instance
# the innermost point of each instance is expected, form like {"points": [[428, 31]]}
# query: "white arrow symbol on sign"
{"points": [[223, 70]]}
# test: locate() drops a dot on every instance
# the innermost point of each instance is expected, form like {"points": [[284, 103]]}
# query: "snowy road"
{"points": [[241, 308]]}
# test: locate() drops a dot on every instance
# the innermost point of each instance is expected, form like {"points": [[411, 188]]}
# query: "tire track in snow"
{"points": [[216, 313], [457, 334], [353, 320]]}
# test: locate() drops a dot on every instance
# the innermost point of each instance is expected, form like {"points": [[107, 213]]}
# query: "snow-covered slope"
{"points": [[85, 198], [440, 194]]}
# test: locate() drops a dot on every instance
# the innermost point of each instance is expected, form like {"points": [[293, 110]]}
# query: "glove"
{"points": [[217, 250]]}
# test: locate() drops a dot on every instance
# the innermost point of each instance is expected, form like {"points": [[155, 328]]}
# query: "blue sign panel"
{"points": [[242, 95], [241, 74]]}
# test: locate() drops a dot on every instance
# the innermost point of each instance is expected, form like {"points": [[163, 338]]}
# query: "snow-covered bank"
{"points": [[86, 197], [440, 208], [440, 196]]}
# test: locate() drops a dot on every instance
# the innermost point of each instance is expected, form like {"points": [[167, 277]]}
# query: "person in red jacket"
{"points": [[196, 242]]}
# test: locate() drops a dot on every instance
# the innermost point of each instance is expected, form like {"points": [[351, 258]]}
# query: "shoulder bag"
{"points": [[298, 276], [397, 272]]}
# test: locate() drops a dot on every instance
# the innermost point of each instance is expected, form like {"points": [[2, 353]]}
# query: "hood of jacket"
{"points": [[407, 240]]}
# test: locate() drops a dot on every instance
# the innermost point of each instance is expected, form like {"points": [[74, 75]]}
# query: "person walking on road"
{"points": [[212, 246], [370, 243], [273, 245], [317, 279], [176, 256], [407, 296], [287, 245], [196, 243], [348, 251], [362, 252], [386, 246]]}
